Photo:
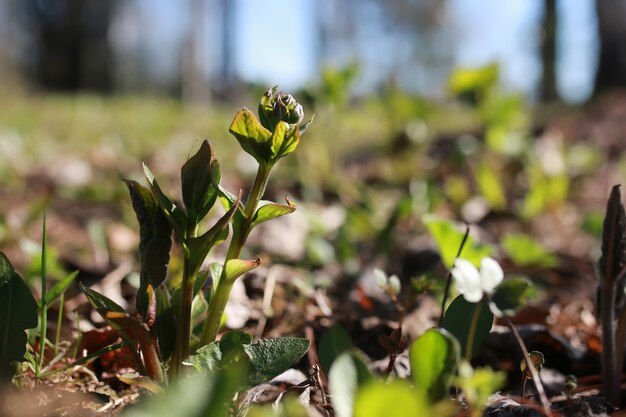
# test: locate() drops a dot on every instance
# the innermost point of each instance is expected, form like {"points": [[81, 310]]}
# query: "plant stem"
{"points": [[471, 333], [183, 331], [449, 276], [151, 360], [610, 374], [57, 336], [218, 301], [543, 398], [44, 295]]}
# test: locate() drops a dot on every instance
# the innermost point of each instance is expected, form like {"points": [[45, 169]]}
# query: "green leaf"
{"points": [[448, 238], [265, 359], [333, 343], [461, 317], [524, 250], [141, 381], [434, 356], [165, 323], [59, 288], [199, 247], [200, 176], [237, 267], [99, 301], [252, 136], [395, 399], [196, 396], [176, 216], [155, 241], [268, 210], [271, 357], [510, 294], [284, 140], [488, 181], [347, 373], [465, 80], [221, 353], [18, 312]]}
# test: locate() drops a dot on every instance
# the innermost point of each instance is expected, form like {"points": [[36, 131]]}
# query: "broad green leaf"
{"points": [[176, 216], [395, 399], [252, 136], [196, 396], [221, 353], [268, 210], [18, 312], [488, 181], [524, 250], [510, 294], [463, 318], [333, 343], [59, 288], [434, 356], [448, 238], [265, 359], [271, 357], [200, 176], [347, 374], [237, 267]]}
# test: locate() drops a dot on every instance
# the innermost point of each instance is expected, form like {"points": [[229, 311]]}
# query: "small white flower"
{"points": [[473, 283]]}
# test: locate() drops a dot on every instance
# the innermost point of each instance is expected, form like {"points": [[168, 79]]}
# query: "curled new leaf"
{"points": [[237, 267], [176, 216], [200, 176], [155, 241], [613, 259]]}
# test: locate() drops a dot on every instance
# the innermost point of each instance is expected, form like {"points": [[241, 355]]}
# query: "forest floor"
{"points": [[352, 180]]}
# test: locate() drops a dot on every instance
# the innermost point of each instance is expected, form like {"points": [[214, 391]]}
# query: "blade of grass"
{"points": [[449, 276], [59, 288], [57, 336], [86, 359], [44, 304]]}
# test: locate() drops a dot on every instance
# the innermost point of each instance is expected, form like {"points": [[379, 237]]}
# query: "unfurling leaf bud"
{"points": [[277, 131]]}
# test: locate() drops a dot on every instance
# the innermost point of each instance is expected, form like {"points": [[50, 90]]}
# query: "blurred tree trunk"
{"points": [[195, 86], [548, 89], [72, 49], [612, 41], [228, 30]]}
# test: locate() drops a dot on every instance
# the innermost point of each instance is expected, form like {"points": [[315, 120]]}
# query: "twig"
{"points": [[531, 368]]}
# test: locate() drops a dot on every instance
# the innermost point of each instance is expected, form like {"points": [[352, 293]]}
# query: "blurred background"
{"points": [[199, 50], [505, 114]]}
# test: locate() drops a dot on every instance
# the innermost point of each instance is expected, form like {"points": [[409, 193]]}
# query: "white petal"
{"points": [[472, 295], [467, 280], [491, 274]]}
